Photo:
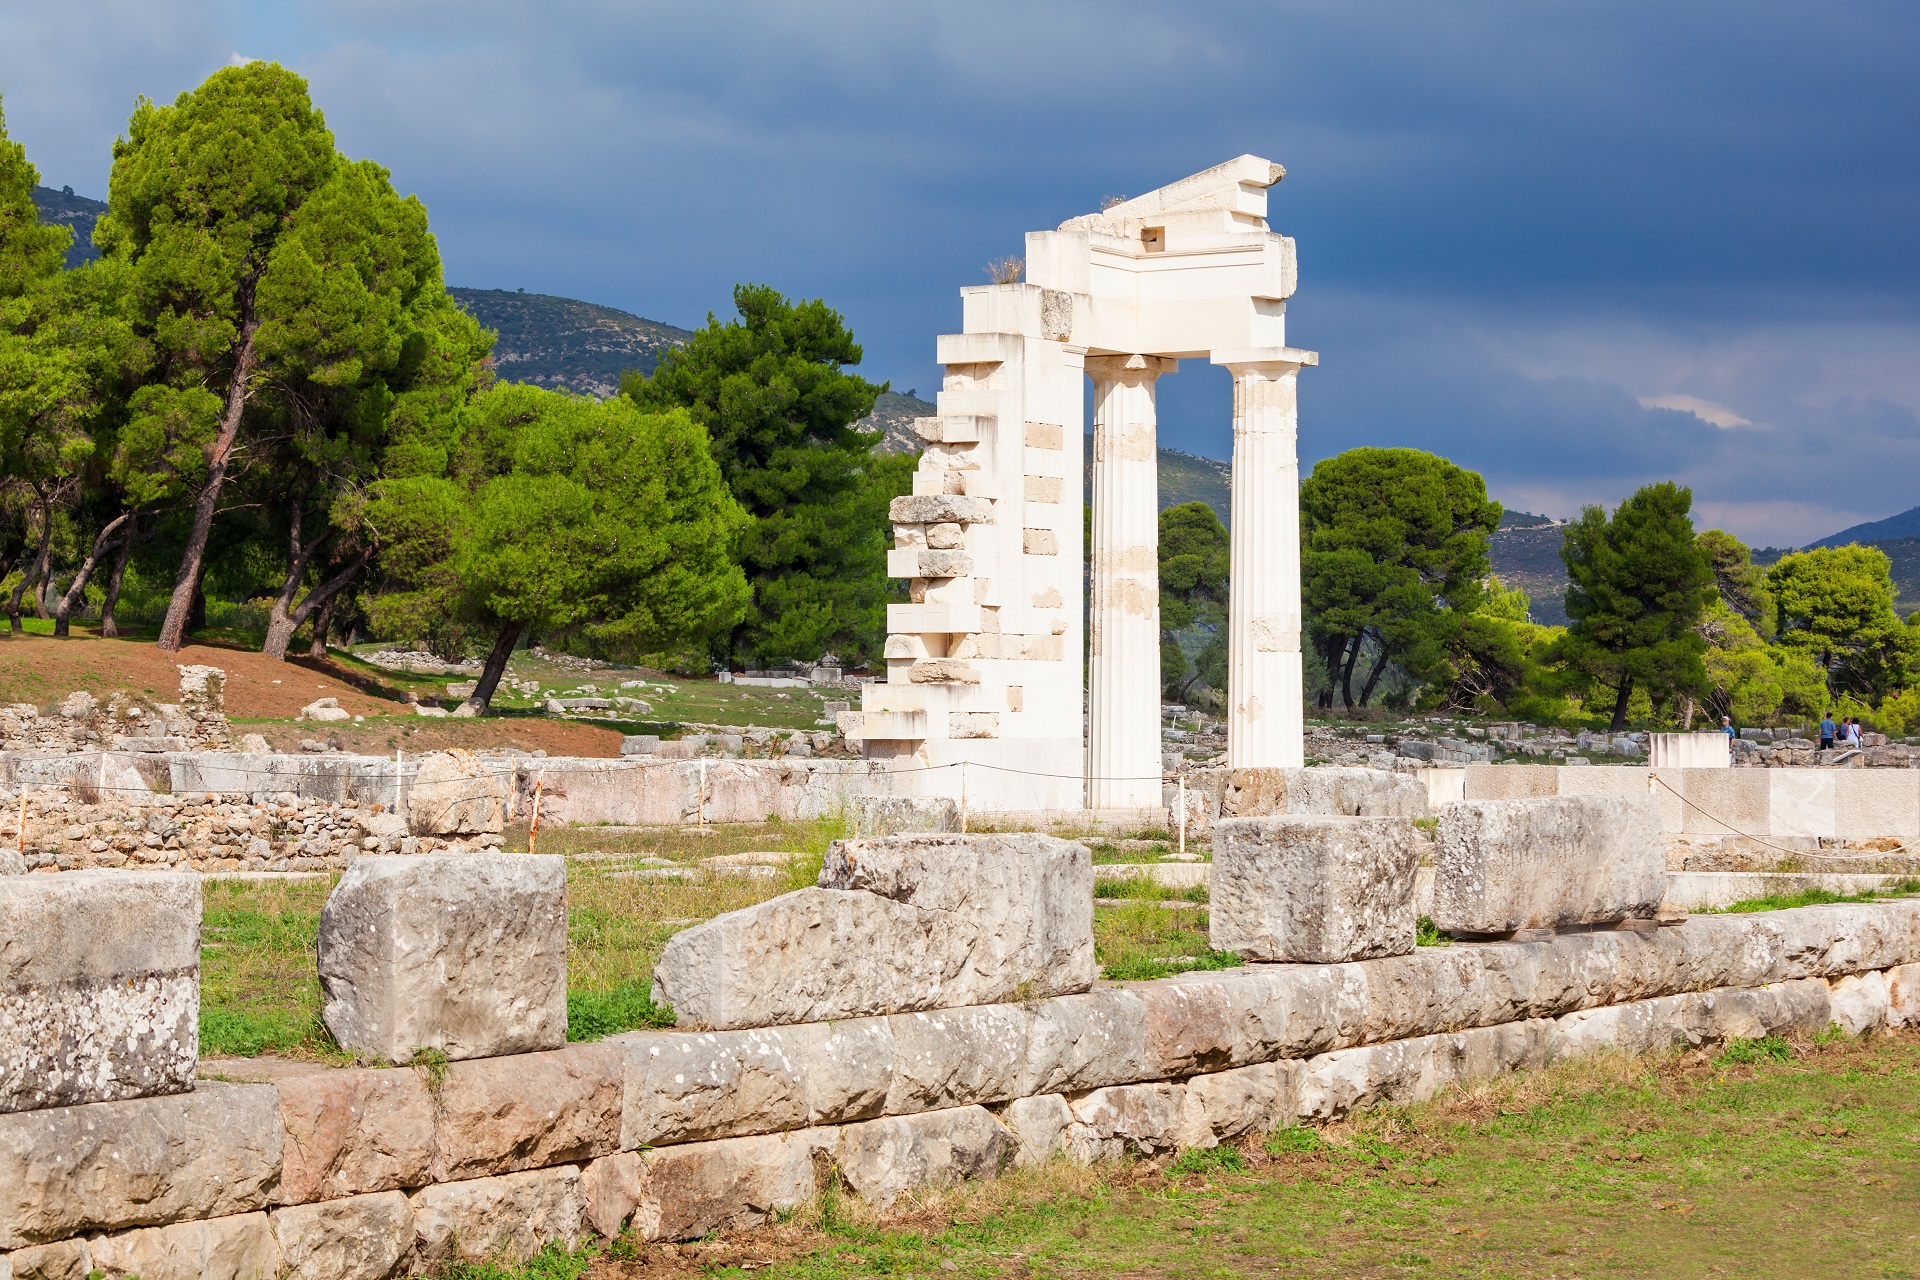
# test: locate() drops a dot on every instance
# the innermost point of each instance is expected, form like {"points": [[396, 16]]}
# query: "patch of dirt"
{"points": [[411, 733]]}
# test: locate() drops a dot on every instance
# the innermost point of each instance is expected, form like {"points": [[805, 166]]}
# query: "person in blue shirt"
{"points": [[1826, 732], [1726, 726]]}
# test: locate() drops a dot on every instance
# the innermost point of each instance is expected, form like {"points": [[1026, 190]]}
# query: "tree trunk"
{"points": [[490, 674], [1373, 676], [324, 594], [173, 631], [108, 628], [281, 621], [31, 569], [1620, 704], [1346, 669], [318, 649], [1686, 725], [79, 584], [45, 585]]}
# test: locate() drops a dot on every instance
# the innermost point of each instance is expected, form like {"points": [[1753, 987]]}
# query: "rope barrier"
{"points": [[1798, 853]]}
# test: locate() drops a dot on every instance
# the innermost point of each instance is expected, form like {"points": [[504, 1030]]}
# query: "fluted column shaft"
{"points": [[1123, 742], [1265, 718]]}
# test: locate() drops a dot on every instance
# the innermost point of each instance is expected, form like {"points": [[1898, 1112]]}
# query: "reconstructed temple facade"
{"points": [[985, 664]]}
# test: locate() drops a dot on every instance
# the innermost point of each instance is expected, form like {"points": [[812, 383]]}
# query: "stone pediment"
{"points": [[1232, 195]]}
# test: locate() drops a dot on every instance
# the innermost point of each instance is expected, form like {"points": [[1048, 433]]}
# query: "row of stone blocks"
{"points": [[353, 1174]]}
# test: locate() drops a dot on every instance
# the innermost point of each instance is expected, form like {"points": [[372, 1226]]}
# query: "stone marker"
{"points": [[454, 795], [462, 953], [1548, 862], [900, 923], [1322, 890], [99, 987]]}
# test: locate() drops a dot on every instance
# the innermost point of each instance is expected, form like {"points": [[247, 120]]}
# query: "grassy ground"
{"points": [[1793, 1162], [1815, 897]]}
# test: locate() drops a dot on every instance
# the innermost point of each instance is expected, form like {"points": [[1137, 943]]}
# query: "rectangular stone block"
{"points": [[612, 1190], [1726, 801], [1903, 995], [1081, 1042], [500, 1115], [236, 1248], [1292, 1011], [702, 1187], [953, 1057], [1339, 1082], [1505, 865], [108, 1165], [1869, 804], [1249, 1100], [359, 1238], [1510, 781], [1039, 1127], [898, 924], [353, 1131], [1323, 790], [1315, 889], [461, 953], [882, 1159], [1189, 1027], [1801, 802], [66, 1260], [1147, 1119], [99, 987], [504, 1219]]}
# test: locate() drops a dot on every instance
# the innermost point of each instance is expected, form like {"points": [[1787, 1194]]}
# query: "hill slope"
{"points": [[563, 342], [77, 213], [1904, 525]]}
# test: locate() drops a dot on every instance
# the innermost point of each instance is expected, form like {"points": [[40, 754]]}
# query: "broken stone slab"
{"points": [[1548, 862], [353, 1131], [1802, 1007], [961, 920], [107, 1165], [454, 794], [505, 1219], [99, 987], [1248, 1100], [465, 954], [366, 1237], [1039, 1127], [1319, 890], [502, 1115], [1145, 1119], [1903, 995], [702, 1187], [324, 710], [612, 1189], [1323, 790], [693, 1086], [66, 1260], [241, 1247], [881, 1159]]}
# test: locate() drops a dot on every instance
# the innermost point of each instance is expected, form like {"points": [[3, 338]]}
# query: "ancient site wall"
{"points": [[808, 1053]]}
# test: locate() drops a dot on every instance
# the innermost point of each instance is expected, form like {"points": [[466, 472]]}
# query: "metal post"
{"points": [[533, 830]]}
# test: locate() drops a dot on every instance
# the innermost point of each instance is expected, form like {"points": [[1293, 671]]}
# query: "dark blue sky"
{"points": [[1574, 246]]}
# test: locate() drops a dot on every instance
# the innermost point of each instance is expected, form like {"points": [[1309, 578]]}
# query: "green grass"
{"points": [[628, 1007], [1142, 941], [1146, 889], [1814, 897], [1428, 934]]}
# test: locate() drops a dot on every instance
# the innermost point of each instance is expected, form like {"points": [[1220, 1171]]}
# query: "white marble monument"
{"points": [[984, 666]]}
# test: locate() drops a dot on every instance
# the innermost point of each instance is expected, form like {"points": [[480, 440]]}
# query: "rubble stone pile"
{"points": [[125, 721]]}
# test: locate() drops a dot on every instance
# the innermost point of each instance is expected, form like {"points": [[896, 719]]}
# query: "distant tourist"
{"points": [[1726, 726], [1826, 732], [1853, 731]]}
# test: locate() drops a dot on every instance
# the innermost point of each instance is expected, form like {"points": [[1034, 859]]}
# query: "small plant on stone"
{"points": [[1747, 1053], [1007, 270], [431, 1063], [1428, 934]]}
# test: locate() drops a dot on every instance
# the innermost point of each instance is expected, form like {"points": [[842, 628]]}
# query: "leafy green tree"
{"points": [[1836, 606], [562, 515], [29, 252], [1638, 585], [1741, 583], [1393, 560], [771, 391], [1194, 556], [1750, 680]]}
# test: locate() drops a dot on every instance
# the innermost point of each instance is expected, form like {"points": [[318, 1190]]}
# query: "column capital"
{"points": [[1130, 366], [1276, 361]]}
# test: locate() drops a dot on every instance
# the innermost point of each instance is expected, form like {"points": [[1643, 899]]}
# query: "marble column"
{"points": [[1265, 717], [1123, 733]]}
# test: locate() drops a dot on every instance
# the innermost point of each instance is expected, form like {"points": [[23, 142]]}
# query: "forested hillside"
{"points": [[562, 342]]}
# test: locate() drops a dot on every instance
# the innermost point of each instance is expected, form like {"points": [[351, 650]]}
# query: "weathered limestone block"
{"points": [[1189, 1027], [1844, 937], [1315, 889], [66, 1260], [1146, 1118], [500, 1115], [1641, 1027], [354, 1131], [1322, 790], [1039, 1126], [504, 1219], [453, 794], [612, 1189], [236, 1248], [1486, 1052], [1903, 995], [1859, 1003], [463, 953], [953, 1057], [11, 863], [1424, 991], [1082, 1042], [702, 1187], [1548, 862], [940, 508], [1801, 1007], [1289, 1011], [1247, 1100], [883, 1158], [1338, 1082], [960, 920], [99, 987], [359, 1238], [106, 1165]]}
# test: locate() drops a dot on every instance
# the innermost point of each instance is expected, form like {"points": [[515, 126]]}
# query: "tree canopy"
{"points": [[1836, 606], [1194, 557]]}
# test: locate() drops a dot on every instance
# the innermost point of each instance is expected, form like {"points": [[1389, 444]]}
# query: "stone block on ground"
{"points": [[99, 986], [505, 1219], [1039, 1127], [1903, 995], [461, 953], [454, 794], [898, 924], [365, 1237], [1320, 890], [1859, 1003], [351, 1132], [612, 1189], [107, 1165], [528, 1110], [882, 1159], [1081, 1042], [702, 1187], [953, 1057], [1548, 862], [1248, 1100], [1147, 1119], [236, 1248], [65, 1260], [1323, 790]]}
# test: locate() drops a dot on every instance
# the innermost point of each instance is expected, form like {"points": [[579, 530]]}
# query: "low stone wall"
{"points": [[272, 1167]]}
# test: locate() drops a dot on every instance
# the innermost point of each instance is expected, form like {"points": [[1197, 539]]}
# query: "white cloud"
{"points": [[1705, 410]]}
